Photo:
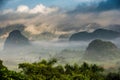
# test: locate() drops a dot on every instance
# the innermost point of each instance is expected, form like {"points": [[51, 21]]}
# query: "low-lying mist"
{"points": [[63, 51]]}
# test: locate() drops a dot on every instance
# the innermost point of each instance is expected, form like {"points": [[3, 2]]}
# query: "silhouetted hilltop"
{"points": [[15, 39], [114, 27], [97, 34], [9, 28], [99, 49], [64, 36]]}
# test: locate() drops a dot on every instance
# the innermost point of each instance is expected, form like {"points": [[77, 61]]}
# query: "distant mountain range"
{"points": [[97, 34], [85, 32], [114, 27], [90, 27]]}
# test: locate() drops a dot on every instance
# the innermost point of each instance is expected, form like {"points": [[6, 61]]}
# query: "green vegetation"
{"points": [[49, 70], [6, 74]]}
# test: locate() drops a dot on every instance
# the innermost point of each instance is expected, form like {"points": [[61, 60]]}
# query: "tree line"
{"points": [[49, 70]]}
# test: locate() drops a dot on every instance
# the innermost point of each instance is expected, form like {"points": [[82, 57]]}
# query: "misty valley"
{"points": [[16, 48], [79, 56], [59, 40], [65, 59], [96, 52]]}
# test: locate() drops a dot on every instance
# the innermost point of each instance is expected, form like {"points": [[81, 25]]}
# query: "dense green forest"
{"points": [[50, 70]]}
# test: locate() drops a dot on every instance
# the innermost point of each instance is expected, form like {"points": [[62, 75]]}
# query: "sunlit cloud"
{"points": [[38, 9]]}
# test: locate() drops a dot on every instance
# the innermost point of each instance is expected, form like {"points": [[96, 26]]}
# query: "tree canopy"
{"points": [[49, 70]]}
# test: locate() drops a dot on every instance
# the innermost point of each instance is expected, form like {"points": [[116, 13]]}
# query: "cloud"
{"points": [[109, 5], [58, 22], [32, 30], [42, 9], [38, 9], [103, 5], [7, 11], [35, 30], [4, 30], [23, 9], [62, 22]]}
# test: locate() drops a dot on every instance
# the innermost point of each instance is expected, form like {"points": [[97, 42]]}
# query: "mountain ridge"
{"points": [[97, 34]]}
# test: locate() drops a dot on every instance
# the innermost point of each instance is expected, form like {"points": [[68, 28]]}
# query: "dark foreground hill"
{"points": [[97, 34], [100, 50], [15, 40]]}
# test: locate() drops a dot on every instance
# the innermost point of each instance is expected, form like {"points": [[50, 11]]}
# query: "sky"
{"points": [[59, 16], [31, 3]]}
